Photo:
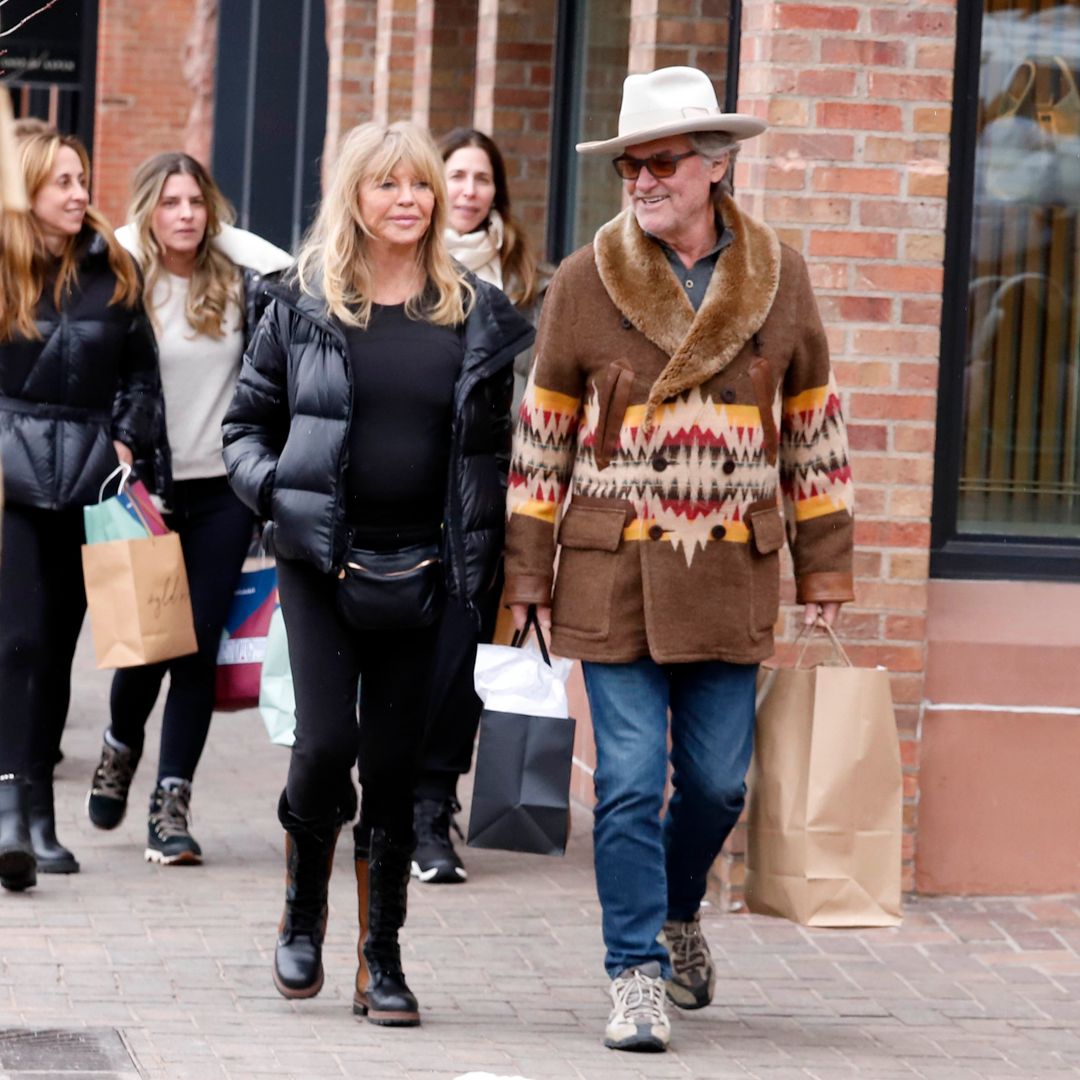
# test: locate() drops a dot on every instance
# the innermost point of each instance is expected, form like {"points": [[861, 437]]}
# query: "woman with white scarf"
{"points": [[485, 237]]}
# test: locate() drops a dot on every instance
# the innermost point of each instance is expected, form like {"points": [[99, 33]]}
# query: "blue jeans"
{"points": [[648, 869]]}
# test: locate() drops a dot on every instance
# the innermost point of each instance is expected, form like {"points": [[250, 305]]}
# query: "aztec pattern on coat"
{"points": [[671, 432]]}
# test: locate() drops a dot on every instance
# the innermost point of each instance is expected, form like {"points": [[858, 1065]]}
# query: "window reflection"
{"points": [[1021, 453]]}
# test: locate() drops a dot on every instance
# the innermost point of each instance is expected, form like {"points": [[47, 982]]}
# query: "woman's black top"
{"points": [[403, 373]]}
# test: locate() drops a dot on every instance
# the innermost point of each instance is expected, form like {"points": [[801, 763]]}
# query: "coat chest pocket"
{"points": [[590, 538], [766, 540]]}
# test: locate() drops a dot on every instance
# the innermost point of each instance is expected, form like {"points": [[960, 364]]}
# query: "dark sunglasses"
{"points": [[660, 165]]}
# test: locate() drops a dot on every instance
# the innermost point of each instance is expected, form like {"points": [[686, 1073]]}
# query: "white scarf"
{"points": [[479, 251]]}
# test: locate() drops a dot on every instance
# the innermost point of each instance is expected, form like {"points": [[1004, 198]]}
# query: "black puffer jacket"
{"points": [[92, 377], [156, 468], [287, 435]]}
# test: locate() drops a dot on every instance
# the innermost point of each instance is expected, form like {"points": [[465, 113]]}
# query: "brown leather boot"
{"points": [[382, 883]]}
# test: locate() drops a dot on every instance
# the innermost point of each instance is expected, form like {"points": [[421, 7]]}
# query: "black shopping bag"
{"points": [[521, 789]]}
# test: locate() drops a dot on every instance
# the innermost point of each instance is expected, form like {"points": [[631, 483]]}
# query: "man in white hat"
{"points": [[682, 386]]}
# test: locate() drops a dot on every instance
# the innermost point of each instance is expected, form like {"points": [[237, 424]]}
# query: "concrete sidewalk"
{"points": [[132, 970]]}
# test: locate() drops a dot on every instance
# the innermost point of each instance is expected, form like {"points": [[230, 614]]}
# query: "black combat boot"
{"points": [[309, 858], [382, 885], [52, 857], [17, 863]]}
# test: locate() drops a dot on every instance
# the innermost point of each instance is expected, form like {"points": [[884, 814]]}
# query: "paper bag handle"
{"points": [[531, 623], [125, 474], [123, 470], [838, 649]]}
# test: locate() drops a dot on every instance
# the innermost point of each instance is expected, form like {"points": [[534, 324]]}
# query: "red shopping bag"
{"points": [[243, 641]]}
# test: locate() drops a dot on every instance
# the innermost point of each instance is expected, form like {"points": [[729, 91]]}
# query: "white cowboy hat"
{"points": [[671, 101]]}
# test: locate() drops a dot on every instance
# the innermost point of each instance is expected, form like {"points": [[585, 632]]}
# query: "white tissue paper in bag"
{"points": [[518, 681]]}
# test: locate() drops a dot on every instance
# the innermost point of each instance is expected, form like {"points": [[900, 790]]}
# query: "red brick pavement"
{"points": [[507, 967]]}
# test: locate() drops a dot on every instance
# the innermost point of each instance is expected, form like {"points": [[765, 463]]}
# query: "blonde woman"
{"points": [[78, 384], [203, 289], [369, 426]]}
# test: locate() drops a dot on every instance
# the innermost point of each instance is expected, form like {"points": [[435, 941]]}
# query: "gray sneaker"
{"points": [[693, 977], [638, 1021]]}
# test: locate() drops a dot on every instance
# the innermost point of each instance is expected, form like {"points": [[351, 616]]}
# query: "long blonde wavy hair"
{"points": [[215, 281], [24, 259], [335, 265]]}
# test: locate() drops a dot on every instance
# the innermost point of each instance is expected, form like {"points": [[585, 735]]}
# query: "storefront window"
{"points": [[1020, 443], [606, 51]]}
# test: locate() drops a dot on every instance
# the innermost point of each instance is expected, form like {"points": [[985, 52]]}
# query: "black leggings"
{"points": [[42, 604], [328, 659], [455, 708], [215, 533]]}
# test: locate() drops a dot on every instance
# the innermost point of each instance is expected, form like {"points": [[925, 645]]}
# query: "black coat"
{"points": [[287, 435], [91, 377], [156, 468]]}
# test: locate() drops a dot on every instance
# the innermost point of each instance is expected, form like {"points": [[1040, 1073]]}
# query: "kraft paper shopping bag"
{"points": [[826, 797], [137, 595]]}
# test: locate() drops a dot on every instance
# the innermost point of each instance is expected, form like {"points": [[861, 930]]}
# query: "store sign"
{"points": [[48, 49], [41, 62]]}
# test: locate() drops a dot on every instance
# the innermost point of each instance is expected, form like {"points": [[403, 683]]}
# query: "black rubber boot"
{"points": [[382, 887], [52, 857], [309, 858], [17, 863]]}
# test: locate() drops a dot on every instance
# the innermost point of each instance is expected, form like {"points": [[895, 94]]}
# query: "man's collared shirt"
{"points": [[695, 280]]}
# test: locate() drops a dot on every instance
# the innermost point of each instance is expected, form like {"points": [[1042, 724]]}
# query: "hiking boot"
{"points": [[435, 861], [693, 977], [638, 1021], [107, 802], [168, 840]]}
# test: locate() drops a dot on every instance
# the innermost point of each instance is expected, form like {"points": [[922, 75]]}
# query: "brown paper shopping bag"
{"points": [[137, 595], [826, 796]]}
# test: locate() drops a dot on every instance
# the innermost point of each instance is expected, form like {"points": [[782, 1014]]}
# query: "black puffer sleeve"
{"points": [[139, 389], [257, 422]]}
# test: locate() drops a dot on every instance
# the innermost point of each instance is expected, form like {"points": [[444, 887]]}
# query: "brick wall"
{"points": [[350, 45], [151, 90], [515, 57], [666, 33], [453, 61], [852, 173]]}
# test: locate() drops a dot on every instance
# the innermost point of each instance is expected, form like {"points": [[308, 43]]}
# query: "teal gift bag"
{"points": [[277, 702], [114, 518]]}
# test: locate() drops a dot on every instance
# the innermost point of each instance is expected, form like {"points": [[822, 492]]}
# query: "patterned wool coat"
{"points": [[654, 448]]}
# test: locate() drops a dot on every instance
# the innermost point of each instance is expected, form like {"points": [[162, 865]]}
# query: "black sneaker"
{"points": [[169, 842], [107, 802], [435, 861]]}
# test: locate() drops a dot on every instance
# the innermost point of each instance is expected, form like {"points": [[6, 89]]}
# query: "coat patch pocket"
{"points": [[767, 528], [590, 538], [592, 528]]}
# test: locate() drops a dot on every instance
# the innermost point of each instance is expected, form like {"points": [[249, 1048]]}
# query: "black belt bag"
{"points": [[391, 590]]}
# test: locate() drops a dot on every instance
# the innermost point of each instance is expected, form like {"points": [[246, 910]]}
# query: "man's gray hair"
{"points": [[713, 145]]}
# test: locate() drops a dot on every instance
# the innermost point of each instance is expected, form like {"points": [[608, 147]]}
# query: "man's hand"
{"points": [[521, 613], [123, 453], [829, 611]]}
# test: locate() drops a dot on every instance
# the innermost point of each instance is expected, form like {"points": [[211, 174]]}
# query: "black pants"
{"points": [[42, 604], [328, 659], [455, 708], [215, 533]]}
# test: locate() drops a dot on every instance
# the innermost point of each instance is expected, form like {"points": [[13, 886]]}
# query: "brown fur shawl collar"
{"points": [[638, 278]]}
